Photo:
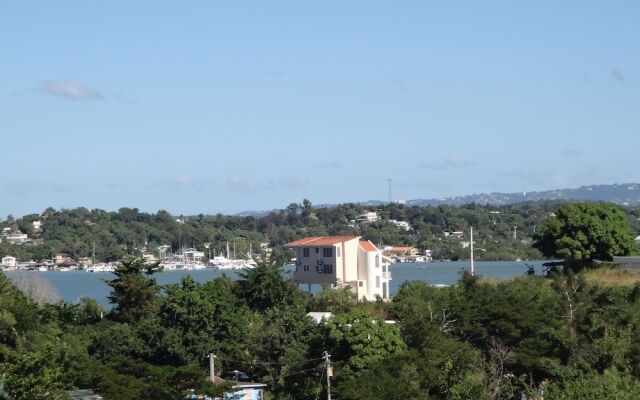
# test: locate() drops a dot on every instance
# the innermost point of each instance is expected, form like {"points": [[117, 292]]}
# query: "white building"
{"points": [[37, 226], [193, 256], [16, 237], [9, 261], [343, 261], [401, 224], [369, 216]]}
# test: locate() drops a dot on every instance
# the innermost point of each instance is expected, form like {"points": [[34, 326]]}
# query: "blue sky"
{"points": [[206, 107]]}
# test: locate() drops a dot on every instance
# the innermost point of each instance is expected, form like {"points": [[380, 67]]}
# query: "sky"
{"points": [[220, 107]]}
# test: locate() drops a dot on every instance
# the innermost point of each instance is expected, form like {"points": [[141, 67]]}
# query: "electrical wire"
{"points": [[266, 363]]}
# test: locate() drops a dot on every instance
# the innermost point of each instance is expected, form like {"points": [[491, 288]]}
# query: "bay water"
{"points": [[73, 285]]}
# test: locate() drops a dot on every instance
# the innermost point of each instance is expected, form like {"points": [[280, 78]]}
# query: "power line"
{"points": [[266, 363]]}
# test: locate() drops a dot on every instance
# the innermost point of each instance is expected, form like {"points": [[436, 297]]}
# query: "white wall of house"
{"points": [[9, 261], [351, 264]]}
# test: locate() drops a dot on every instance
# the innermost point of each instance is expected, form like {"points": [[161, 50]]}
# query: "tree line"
{"points": [[475, 339], [503, 233]]}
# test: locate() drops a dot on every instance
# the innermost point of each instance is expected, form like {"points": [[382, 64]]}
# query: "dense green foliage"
{"points": [[472, 340], [127, 231], [583, 232]]}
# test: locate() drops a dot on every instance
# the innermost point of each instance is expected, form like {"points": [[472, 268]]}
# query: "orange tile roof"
{"points": [[316, 241], [367, 245]]}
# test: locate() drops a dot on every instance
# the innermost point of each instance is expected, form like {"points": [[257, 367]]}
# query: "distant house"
{"points": [[193, 256], [369, 216], [240, 390], [247, 391], [149, 257], [9, 261], [62, 258], [343, 261], [401, 224], [400, 250], [16, 237], [37, 226]]}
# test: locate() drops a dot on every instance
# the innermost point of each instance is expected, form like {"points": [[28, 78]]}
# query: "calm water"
{"points": [[73, 285]]}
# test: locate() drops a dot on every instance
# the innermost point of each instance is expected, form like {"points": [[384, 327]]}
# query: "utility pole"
{"points": [[212, 367], [471, 244], [327, 363]]}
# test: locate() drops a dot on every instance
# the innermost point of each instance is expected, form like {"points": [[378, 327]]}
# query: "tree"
{"points": [[583, 232], [34, 376], [134, 295], [264, 286]]}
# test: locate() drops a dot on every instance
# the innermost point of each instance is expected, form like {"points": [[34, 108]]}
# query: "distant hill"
{"points": [[622, 194]]}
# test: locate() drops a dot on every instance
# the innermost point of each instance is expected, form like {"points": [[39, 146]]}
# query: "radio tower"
{"points": [[390, 197]]}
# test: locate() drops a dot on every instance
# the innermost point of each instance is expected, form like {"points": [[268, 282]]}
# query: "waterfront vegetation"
{"points": [[128, 231], [473, 340]]}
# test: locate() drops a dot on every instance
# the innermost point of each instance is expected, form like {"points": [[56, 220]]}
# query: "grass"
{"points": [[606, 276]]}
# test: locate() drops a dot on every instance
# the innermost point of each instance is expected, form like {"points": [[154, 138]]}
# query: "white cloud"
{"points": [[70, 90]]}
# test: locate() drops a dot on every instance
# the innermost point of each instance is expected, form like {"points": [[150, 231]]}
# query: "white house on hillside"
{"points": [[9, 261], [343, 261]]}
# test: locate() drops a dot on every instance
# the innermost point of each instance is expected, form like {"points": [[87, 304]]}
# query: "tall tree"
{"points": [[134, 294], [584, 232], [264, 287]]}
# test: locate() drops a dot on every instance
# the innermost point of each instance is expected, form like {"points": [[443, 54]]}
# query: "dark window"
{"points": [[327, 252], [318, 268], [317, 250], [328, 269], [306, 268], [360, 283], [305, 252]]}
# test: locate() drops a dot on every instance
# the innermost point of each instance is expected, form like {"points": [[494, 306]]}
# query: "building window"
{"points": [[338, 251], [305, 252], [327, 252], [360, 283], [328, 269], [317, 250], [306, 268], [377, 282], [318, 268]]}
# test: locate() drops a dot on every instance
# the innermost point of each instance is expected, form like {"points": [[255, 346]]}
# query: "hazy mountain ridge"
{"points": [[618, 193], [622, 194]]}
